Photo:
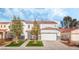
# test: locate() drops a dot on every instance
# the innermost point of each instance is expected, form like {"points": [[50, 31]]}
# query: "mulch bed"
{"points": [[2, 42]]}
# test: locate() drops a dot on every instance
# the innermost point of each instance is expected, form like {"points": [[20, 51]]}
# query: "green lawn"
{"points": [[15, 45], [31, 43]]}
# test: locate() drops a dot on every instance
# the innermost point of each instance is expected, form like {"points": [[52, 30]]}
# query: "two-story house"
{"points": [[48, 29]]}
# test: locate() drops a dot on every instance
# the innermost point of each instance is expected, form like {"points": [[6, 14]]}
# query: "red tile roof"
{"points": [[4, 22], [41, 22], [49, 28], [63, 30], [3, 30], [31, 22]]}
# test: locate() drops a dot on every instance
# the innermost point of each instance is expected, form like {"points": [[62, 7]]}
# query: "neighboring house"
{"points": [[70, 34], [48, 29], [75, 36], [65, 33], [4, 29]]}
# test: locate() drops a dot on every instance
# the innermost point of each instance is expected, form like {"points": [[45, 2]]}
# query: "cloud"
{"points": [[34, 13], [58, 12], [8, 13], [18, 13]]}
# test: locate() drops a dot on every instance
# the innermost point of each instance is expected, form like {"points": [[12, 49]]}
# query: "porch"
{"points": [[3, 34]]}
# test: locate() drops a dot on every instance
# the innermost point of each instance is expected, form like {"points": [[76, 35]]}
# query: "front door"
{"points": [[29, 35]]}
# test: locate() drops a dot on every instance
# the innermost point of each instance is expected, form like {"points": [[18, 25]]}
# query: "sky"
{"points": [[52, 14]]}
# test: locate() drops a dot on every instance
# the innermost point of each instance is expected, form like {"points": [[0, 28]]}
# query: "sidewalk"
{"points": [[48, 45], [25, 43]]}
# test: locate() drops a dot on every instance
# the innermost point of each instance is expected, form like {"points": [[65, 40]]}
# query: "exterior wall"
{"points": [[75, 31], [49, 31], [28, 27], [4, 26], [75, 35], [25, 27], [3, 35], [26, 35]]}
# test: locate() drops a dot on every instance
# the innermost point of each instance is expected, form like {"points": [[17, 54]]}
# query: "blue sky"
{"points": [[53, 14]]}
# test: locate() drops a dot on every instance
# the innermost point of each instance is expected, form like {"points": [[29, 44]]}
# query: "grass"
{"points": [[15, 44], [31, 43]]}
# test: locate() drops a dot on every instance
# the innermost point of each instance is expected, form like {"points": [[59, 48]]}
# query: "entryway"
{"points": [[1, 35]]}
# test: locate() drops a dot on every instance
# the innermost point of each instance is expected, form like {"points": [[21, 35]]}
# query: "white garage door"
{"points": [[75, 37], [48, 36]]}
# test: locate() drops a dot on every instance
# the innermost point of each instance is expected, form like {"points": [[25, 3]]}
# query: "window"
{"points": [[1, 26], [4, 26], [28, 26], [9, 26]]}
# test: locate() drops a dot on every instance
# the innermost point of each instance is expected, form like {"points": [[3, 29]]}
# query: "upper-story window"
{"points": [[56, 26], [28, 26], [4, 26], [1, 26], [9, 26]]}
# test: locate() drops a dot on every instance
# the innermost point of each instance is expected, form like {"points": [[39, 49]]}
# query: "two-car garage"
{"points": [[49, 34]]}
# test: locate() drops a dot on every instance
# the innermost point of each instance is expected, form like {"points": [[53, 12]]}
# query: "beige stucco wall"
{"points": [[75, 35]]}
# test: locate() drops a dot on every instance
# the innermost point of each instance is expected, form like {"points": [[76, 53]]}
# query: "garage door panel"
{"points": [[48, 36]]}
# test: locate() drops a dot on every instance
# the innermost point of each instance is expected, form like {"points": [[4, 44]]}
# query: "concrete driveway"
{"points": [[57, 45], [48, 45]]}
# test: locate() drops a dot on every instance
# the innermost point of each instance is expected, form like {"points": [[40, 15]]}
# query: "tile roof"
{"points": [[31, 22], [4, 22], [63, 30], [49, 28], [41, 22], [3, 30]]}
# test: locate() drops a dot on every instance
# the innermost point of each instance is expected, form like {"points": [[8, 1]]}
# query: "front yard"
{"points": [[31, 43], [12, 44]]}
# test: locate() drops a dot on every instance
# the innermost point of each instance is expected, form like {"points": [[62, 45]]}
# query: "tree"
{"points": [[16, 28], [73, 23], [62, 24], [77, 24], [67, 21], [35, 31]]}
